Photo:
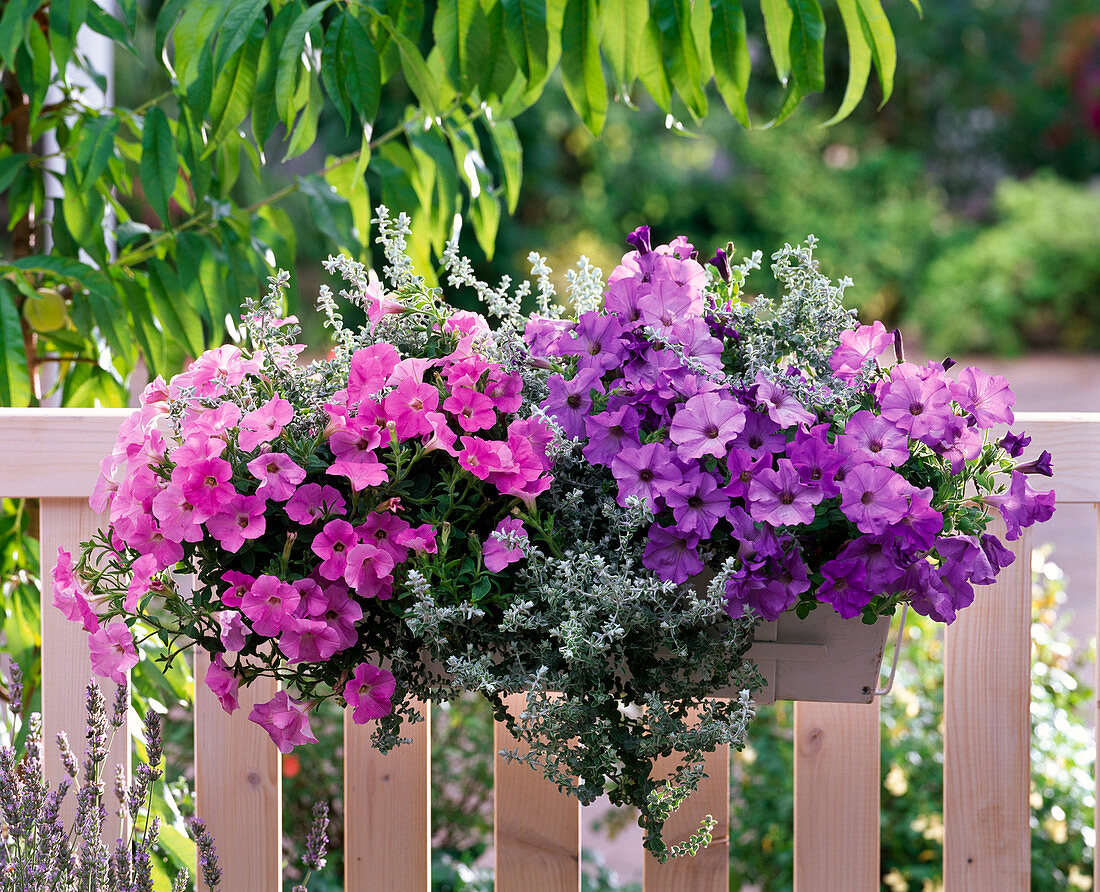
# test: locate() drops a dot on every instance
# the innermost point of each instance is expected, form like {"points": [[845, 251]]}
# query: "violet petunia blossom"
{"points": [[569, 402], [595, 342], [920, 524], [988, 398], [1014, 445], [779, 497], [609, 433], [816, 459], [857, 347], [761, 436], [873, 497], [1021, 506], [875, 439], [697, 503], [916, 405], [706, 424], [780, 404], [1040, 465], [743, 467], [646, 472], [845, 587], [671, 554]]}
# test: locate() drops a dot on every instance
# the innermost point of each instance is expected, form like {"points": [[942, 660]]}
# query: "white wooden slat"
{"points": [[55, 452], [387, 810], [707, 871], [66, 664], [238, 786], [536, 827], [987, 733], [837, 781]]}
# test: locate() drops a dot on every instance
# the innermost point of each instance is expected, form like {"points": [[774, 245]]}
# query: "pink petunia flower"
{"points": [[240, 519], [314, 501], [472, 410], [286, 721], [779, 496], [369, 693], [70, 595], [332, 544], [264, 424], [706, 425], [112, 651], [223, 684], [408, 404], [270, 604], [496, 552], [232, 629], [278, 474], [309, 641]]}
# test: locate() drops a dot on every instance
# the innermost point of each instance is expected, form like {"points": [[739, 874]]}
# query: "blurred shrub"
{"points": [[1029, 279], [1062, 757]]}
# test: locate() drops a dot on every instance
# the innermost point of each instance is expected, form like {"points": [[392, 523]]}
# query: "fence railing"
{"points": [[54, 454]]}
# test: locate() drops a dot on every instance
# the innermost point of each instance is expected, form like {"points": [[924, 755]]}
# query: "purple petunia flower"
{"points": [[671, 554], [595, 342], [609, 433], [916, 405], [987, 397], [779, 497], [697, 503], [761, 436], [645, 471], [706, 424], [874, 439], [873, 497], [569, 402], [781, 405], [845, 586], [1015, 445]]}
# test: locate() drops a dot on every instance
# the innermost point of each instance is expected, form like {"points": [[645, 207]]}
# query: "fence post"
{"points": [[987, 735]]}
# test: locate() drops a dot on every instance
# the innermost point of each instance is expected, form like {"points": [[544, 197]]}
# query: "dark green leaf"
{"points": [[350, 69], [412, 66], [510, 153], [808, 45], [194, 36], [200, 88], [304, 134], [181, 325], [461, 33], [110, 27], [235, 85], [200, 270], [290, 61], [113, 324], [239, 25], [83, 210], [15, 382], [730, 52], [680, 53], [95, 148], [581, 71], [55, 267], [264, 114], [150, 340], [166, 21], [859, 60], [66, 17], [876, 29], [777, 26], [13, 28], [622, 23], [331, 214], [34, 66], [791, 98], [525, 30], [9, 167], [651, 67], [158, 162]]}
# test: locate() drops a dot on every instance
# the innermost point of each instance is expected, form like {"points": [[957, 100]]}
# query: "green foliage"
{"points": [[761, 852], [167, 167], [1028, 279]]}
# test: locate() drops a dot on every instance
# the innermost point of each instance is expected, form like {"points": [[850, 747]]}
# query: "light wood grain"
{"points": [[708, 871], [987, 842], [536, 827], [55, 452], [66, 664], [387, 810], [1073, 439], [837, 781], [239, 786]]}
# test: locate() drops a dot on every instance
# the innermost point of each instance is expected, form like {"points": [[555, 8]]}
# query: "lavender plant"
{"points": [[38, 852]]}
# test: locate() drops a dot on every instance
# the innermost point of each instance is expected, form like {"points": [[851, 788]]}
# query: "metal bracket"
{"points": [[882, 692]]}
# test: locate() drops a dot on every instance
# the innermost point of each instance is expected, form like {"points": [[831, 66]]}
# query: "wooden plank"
{"points": [[1096, 687], [837, 780], [987, 731], [36, 443], [66, 664], [387, 810], [238, 786], [707, 871], [536, 827], [1073, 438]]}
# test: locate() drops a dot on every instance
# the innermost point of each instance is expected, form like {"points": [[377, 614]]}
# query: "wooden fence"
{"points": [[54, 454]]}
